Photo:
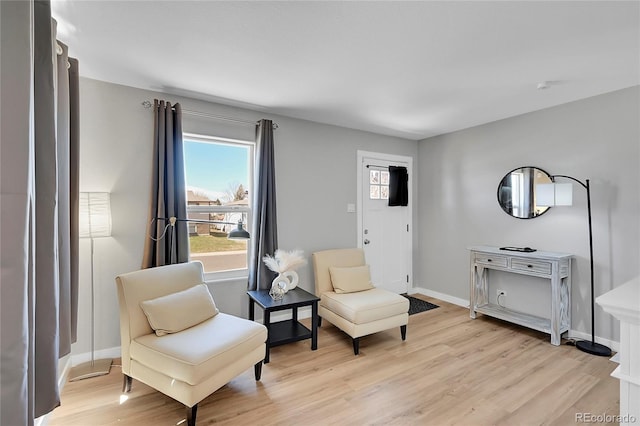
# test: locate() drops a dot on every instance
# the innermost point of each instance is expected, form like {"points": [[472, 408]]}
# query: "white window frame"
{"points": [[232, 274]]}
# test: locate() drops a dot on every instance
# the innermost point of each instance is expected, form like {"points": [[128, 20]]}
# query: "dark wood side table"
{"points": [[287, 331]]}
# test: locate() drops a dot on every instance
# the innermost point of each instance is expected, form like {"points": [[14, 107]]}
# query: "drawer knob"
{"points": [[489, 260]]}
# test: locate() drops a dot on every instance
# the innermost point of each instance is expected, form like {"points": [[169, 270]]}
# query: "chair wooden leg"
{"points": [[319, 321], [191, 415], [257, 369], [126, 384], [356, 345], [403, 331]]}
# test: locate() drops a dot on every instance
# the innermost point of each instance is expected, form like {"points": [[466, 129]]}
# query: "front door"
{"points": [[385, 232]]}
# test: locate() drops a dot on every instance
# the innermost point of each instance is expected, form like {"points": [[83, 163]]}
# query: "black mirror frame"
{"points": [[500, 186]]}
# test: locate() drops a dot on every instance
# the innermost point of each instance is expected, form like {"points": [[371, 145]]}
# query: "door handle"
{"points": [[367, 241]]}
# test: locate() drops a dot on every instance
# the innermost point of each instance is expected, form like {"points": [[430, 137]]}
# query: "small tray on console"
{"points": [[521, 249]]}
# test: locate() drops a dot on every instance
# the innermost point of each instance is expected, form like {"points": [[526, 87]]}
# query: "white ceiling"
{"points": [[408, 69]]}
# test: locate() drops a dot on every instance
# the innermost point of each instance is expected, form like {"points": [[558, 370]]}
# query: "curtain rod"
{"points": [[381, 167], [148, 104]]}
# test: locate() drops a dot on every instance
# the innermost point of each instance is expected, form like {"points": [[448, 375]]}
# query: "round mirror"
{"points": [[517, 195]]}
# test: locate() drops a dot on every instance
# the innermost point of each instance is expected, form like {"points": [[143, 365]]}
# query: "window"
{"points": [[379, 184], [219, 174]]}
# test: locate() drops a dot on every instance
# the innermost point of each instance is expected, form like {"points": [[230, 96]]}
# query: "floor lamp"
{"points": [[561, 194], [95, 222]]}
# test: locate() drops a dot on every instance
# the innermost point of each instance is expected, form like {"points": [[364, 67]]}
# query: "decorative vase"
{"points": [[292, 277], [279, 287]]}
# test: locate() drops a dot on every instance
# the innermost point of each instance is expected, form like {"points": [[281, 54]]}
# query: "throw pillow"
{"points": [[178, 311], [351, 279]]}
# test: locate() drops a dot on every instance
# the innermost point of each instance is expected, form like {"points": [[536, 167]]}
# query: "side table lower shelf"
{"points": [[287, 331]]}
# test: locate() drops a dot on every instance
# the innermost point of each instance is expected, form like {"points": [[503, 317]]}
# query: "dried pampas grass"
{"points": [[283, 261]]}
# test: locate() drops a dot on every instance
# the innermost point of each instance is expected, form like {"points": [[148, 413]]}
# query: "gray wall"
{"points": [[597, 139], [457, 176], [315, 179]]}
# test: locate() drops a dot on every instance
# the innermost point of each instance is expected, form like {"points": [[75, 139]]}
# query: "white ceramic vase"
{"points": [[286, 279], [293, 279]]}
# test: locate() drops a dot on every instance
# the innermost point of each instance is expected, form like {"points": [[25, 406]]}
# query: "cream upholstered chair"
{"points": [[192, 349], [350, 302]]}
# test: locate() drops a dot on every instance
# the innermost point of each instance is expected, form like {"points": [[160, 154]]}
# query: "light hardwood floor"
{"points": [[450, 370]]}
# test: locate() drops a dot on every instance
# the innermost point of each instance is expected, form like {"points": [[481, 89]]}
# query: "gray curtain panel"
{"points": [[36, 262], [66, 198], [168, 191], [74, 190], [16, 290], [264, 230]]}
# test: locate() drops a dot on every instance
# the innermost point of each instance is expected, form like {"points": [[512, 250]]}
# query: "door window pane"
{"points": [[384, 192], [384, 178], [374, 177], [374, 192]]}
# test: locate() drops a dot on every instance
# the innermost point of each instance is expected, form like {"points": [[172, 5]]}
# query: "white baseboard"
{"points": [[578, 335], [441, 296], [573, 334], [78, 359], [64, 366], [304, 312]]}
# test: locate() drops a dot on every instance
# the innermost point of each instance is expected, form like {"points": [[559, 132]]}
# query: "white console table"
{"points": [[556, 267], [623, 302]]}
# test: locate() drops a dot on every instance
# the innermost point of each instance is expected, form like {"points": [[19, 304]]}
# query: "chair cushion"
{"points": [[365, 306], [195, 354], [178, 311], [350, 279]]}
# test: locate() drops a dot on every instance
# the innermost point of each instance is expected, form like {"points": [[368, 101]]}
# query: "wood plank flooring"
{"points": [[451, 370]]}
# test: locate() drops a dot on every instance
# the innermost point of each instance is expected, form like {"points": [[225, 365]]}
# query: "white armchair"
{"points": [[349, 301], [192, 349]]}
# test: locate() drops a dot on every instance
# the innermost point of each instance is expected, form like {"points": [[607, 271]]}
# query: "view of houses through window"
{"points": [[218, 177]]}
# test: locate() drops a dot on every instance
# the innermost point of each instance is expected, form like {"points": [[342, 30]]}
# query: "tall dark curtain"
{"points": [[74, 189], [264, 230], [168, 193], [398, 186], [38, 194]]}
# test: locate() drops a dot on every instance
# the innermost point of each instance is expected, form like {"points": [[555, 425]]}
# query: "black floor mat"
{"points": [[418, 305]]}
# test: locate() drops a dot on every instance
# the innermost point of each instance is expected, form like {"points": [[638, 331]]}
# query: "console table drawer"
{"points": [[491, 260], [537, 266]]}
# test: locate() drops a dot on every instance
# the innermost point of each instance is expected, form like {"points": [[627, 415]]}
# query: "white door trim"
{"points": [[361, 155]]}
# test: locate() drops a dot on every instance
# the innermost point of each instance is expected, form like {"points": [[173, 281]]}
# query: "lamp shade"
{"points": [[554, 194], [239, 233], [545, 195], [564, 194], [95, 215]]}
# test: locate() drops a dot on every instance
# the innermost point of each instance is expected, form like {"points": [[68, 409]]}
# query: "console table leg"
{"points": [[555, 308]]}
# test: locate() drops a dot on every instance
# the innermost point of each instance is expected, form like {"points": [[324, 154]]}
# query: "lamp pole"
{"points": [[237, 234], [584, 345]]}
